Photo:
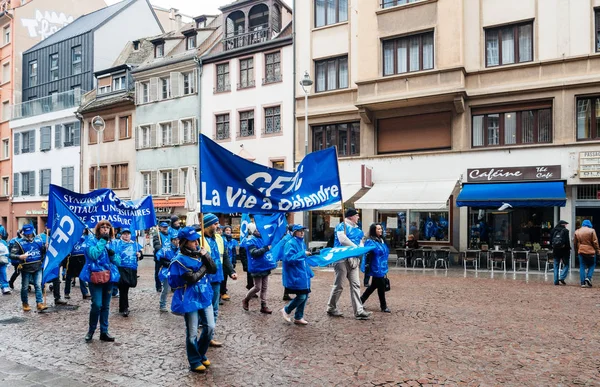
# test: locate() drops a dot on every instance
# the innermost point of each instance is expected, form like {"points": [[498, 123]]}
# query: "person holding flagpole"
{"points": [[347, 234]]}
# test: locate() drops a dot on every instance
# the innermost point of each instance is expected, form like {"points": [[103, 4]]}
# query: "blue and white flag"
{"points": [[332, 255], [66, 231], [271, 227], [245, 221], [105, 204], [239, 185]]}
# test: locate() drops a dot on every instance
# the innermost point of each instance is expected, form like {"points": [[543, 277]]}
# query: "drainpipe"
{"points": [[294, 83], [198, 61], [81, 126]]}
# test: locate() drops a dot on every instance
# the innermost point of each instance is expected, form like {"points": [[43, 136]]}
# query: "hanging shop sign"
{"points": [[589, 165], [535, 173]]}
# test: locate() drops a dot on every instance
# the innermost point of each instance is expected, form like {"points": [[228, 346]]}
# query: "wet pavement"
{"points": [[446, 327]]}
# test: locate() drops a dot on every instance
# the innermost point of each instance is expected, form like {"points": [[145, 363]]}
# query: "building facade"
{"points": [[447, 94]]}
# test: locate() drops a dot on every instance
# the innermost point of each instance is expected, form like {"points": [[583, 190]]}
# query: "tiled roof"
{"points": [[108, 101]]}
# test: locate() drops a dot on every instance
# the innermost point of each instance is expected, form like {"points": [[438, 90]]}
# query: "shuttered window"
{"points": [[120, 176], [124, 127], [108, 134], [414, 133], [45, 182], [68, 178], [45, 138]]}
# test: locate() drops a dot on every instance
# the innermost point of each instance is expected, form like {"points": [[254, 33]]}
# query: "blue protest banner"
{"points": [[332, 255], [239, 185], [105, 204], [66, 231]]}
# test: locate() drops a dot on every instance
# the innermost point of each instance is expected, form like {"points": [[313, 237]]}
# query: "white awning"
{"points": [[348, 190], [413, 195]]}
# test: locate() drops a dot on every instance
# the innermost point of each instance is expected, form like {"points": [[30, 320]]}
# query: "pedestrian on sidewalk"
{"points": [[130, 252], [296, 275], [193, 296], [586, 246], [100, 259], [375, 265], [347, 233], [260, 264], [165, 257], [29, 251], [561, 247]]}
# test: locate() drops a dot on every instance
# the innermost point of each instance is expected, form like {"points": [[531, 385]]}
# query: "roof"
{"points": [[83, 24], [126, 97]]}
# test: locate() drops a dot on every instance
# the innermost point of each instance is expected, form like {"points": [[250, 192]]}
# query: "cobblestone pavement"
{"points": [[444, 329]]}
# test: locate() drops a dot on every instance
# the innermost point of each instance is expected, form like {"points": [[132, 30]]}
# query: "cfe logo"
{"points": [[63, 230]]}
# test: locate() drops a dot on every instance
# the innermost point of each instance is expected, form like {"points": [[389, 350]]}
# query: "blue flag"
{"points": [[239, 185], [271, 227], [66, 231], [244, 229], [332, 255]]}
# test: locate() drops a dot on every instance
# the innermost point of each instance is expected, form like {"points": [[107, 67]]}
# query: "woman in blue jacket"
{"points": [[260, 264], [375, 265], [100, 257], [296, 275], [130, 252]]}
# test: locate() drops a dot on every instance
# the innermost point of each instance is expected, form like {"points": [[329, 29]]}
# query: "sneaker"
{"points": [[585, 286], [364, 315], [245, 305], [335, 313], [60, 302], [6, 291], [67, 297], [225, 297], [286, 316], [588, 282], [302, 321], [215, 343], [386, 310], [164, 309], [206, 363], [562, 282]]}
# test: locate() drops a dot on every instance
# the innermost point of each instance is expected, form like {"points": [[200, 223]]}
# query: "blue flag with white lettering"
{"points": [[335, 254], [271, 227], [239, 185], [244, 229], [66, 230]]}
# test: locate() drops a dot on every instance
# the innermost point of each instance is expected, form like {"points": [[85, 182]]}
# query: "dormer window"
{"points": [[104, 85], [190, 42], [159, 49], [136, 45]]}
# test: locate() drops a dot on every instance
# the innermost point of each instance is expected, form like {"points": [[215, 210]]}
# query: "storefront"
{"points": [[35, 213], [512, 207], [165, 208], [587, 194]]}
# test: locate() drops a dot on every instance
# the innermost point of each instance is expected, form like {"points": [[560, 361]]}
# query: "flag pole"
{"points": [[337, 165], [47, 244], [200, 195]]}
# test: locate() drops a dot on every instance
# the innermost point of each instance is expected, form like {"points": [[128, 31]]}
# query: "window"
{"points": [[247, 123], [119, 176], [512, 125], [406, 54], [94, 177], [159, 50], [5, 149], [124, 127], [6, 72], [272, 67], [509, 44], [165, 134], [146, 133], [430, 226], [68, 178], [223, 83], [246, 73], [145, 92], [33, 75], [165, 84], [5, 110], [7, 34], [588, 118], [222, 127], [71, 134], [5, 186], [119, 83], [104, 89], [92, 134], [330, 12], [108, 134], [27, 142], [28, 183], [278, 164], [147, 183], [188, 83], [53, 67], [345, 136], [45, 138], [136, 45], [332, 74], [166, 182], [76, 60], [188, 131], [273, 119], [45, 182], [190, 42], [393, 3], [597, 14]]}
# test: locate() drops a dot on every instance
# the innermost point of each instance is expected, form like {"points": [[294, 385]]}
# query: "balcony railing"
{"points": [[272, 79], [49, 104], [222, 88], [259, 34]]}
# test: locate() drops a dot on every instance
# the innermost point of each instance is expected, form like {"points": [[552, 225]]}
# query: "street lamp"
{"points": [[98, 125], [306, 83]]}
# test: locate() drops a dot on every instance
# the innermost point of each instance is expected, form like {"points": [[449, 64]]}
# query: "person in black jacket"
{"points": [[561, 247]]}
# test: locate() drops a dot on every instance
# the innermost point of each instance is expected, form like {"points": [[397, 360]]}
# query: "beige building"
{"points": [[424, 98]]}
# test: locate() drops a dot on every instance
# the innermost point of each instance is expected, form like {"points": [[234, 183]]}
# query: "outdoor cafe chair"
{"points": [[442, 257], [520, 256], [401, 256], [471, 256], [418, 255], [498, 256], [542, 255], [550, 261]]}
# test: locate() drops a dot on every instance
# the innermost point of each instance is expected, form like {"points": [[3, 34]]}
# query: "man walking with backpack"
{"points": [[561, 247], [586, 246]]}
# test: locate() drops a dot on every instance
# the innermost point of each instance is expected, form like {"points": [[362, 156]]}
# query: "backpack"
{"points": [[558, 242]]}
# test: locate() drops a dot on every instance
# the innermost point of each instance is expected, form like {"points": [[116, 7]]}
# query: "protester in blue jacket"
{"points": [[130, 252], [101, 273], [165, 256], [375, 265], [4, 262], [296, 275], [75, 263], [260, 264], [160, 240], [231, 245], [193, 295]]}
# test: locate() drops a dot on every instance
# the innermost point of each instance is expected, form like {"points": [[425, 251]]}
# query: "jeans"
{"points": [[298, 303], [583, 268], [195, 347], [82, 286], [216, 287], [3, 279], [378, 283], [26, 279], [163, 294], [101, 295], [564, 271]]}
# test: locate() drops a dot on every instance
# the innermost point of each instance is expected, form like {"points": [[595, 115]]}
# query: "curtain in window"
{"points": [[510, 128], [320, 13], [525, 43], [414, 44], [402, 58], [321, 76], [388, 58], [355, 139], [491, 46], [343, 7], [508, 45], [318, 140], [329, 136], [527, 120], [493, 128], [343, 73], [544, 125], [584, 118], [343, 140], [331, 75], [428, 51], [331, 11], [597, 117], [478, 131]]}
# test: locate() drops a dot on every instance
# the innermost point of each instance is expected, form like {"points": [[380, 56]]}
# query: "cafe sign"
{"points": [[589, 165], [535, 173], [163, 210]]}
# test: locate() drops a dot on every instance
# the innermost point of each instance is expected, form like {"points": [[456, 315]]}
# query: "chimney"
{"points": [[178, 23]]}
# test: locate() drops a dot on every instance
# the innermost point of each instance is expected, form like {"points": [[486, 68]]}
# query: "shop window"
{"points": [[509, 44], [588, 118], [430, 226], [512, 125], [394, 227], [345, 136], [407, 54]]}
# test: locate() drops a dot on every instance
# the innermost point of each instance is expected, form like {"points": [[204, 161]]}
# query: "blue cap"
{"points": [[188, 233], [124, 230], [298, 227], [28, 229], [163, 224]]}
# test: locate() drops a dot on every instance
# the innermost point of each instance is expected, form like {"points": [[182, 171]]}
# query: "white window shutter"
{"points": [[154, 183], [138, 98], [193, 81], [175, 181], [153, 142], [154, 92], [137, 135], [176, 85], [194, 129], [175, 132]]}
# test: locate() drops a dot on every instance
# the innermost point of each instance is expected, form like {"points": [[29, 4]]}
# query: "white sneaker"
{"points": [[6, 291], [286, 316]]}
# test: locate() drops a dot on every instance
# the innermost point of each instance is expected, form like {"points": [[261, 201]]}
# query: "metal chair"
{"points": [[520, 256], [418, 255], [542, 255], [498, 256], [441, 255], [471, 256], [401, 256], [550, 261]]}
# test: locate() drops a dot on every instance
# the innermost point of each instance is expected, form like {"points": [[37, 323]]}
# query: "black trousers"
{"points": [[158, 284], [14, 275], [379, 285], [249, 281], [223, 289], [123, 298], [56, 288]]}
